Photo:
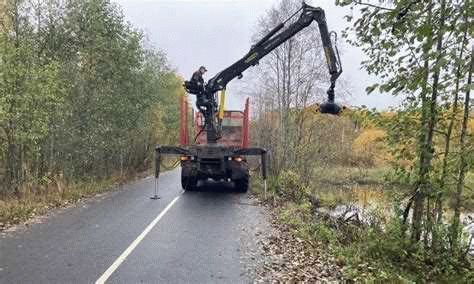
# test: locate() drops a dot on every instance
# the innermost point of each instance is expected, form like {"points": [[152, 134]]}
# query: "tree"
{"points": [[288, 81], [464, 161], [416, 48], [79, 91], [29, 91]]}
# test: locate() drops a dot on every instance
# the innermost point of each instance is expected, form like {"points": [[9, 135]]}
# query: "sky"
{"points": [[216, 33]]}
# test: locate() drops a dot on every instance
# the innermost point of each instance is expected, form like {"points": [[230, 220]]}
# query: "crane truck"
{"points": [[213, 159]]}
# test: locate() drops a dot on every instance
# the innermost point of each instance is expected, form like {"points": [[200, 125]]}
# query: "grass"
{"points": [[37, 201], [348, 185], [373, 252], [344, 176]]}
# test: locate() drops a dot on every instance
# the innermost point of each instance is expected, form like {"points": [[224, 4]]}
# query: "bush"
{"points": [[376, 249], [292, 188]]}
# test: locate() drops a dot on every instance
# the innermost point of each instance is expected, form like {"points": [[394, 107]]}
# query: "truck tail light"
{"points": [[237, 159]]}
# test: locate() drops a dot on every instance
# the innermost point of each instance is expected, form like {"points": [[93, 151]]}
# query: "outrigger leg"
{"points": [[157, 173]]}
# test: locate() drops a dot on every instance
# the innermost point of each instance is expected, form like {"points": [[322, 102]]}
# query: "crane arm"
{"points": [[271, 41], [264, 46]]}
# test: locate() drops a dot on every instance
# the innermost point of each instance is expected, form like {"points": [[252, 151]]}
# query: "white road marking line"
{"points": [[134, 244]]}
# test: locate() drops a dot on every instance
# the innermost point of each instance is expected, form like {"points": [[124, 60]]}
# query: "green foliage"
{"points": [[291, 187], [296, 215], [81, 96], [419, 50], [388, 255], [369, 252], [376, 249]]}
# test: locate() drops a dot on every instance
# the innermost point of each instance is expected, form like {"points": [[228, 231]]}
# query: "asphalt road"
{"points": [[125, 237]]}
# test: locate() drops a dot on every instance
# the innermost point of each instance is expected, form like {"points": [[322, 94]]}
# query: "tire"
{"points": [[242, 185], [189, 183]]}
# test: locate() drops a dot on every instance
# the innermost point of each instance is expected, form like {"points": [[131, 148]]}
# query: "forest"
{"points": [[84, 99]]}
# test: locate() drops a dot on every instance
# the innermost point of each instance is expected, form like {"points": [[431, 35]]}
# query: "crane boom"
{"points": [[271, 42], [267, 44]]}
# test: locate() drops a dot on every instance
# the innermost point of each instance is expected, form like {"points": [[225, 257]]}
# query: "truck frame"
{"points": [[223, 161]]}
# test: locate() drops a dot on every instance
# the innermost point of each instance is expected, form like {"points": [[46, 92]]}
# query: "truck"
{"points": [[216, 161], [219, 151]]}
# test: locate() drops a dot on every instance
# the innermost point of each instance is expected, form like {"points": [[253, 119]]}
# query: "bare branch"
{"points": [[372, 5]]}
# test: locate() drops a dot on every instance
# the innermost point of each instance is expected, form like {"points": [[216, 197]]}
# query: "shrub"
{"points": [[292, 188]]}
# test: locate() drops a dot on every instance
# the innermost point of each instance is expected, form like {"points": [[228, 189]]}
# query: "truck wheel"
{"points": [[189, 183], [242, 185]]}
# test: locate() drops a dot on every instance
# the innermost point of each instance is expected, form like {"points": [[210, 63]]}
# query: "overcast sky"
{"points": [[216, 33]]}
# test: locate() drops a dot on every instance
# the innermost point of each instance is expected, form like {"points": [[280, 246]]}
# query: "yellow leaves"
{"points": [[368, 138], [388, 114], [369, 147]]}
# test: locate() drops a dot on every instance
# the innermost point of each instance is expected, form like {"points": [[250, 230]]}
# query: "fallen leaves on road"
{"points": [[289, 259]]}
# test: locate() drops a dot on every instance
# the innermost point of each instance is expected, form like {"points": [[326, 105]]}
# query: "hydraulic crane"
{"points": [[259, 50], [220, 162]]}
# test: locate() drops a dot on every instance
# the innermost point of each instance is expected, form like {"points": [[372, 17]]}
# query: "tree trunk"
{"points": [[463, 166], [418, 199], [447, 147], [427, 146]]}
